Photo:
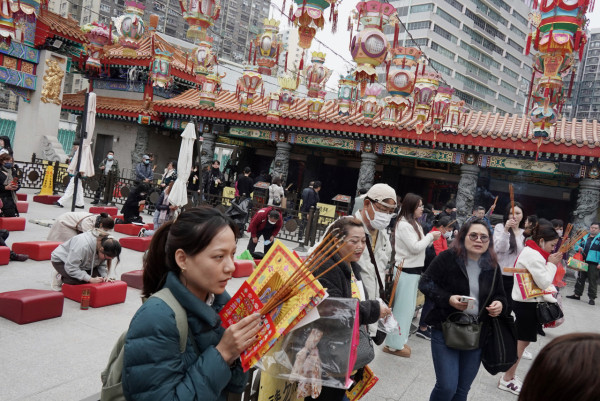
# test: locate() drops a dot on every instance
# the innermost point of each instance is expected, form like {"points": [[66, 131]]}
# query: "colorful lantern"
{"points": [[247, 86], [7, 23], [209, 89], [309, 17], [370, 107], [315, 104], [455, 112], [160, 72], [400, 82], [288, 87], [347, 94], [440, 109], [370, 47], [130, 26], [425, 90], [316, 74], [267, 47], [200, 15], [273, 111], [204, 58], [98, 35]]}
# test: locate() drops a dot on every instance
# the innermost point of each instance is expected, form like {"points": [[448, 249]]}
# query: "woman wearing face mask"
{"points": [[537, 258], [410, 245], [85, 258], [135, 201], [5, 147], [170, 174], [9, 185]]}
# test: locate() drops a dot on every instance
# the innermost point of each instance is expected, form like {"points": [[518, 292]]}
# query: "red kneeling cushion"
{"points": [[243, 268], [101, 294], [129, 229], [110, 210], [136, 243], [22, 197], [133, 278], [46, 199], [12, 223], [26, 306], [22, 207], [4, 255], [37, 250]]}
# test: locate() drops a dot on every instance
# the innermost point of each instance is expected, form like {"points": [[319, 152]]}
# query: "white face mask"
{"points": [[448, 234], [380, 220]]}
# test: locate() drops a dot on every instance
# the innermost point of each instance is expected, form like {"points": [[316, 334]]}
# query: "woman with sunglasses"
{"points": [[466, 269], [540, 260], [410, 245]]}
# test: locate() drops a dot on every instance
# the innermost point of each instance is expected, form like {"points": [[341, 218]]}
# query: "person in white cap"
{"points": [[143, 170]]}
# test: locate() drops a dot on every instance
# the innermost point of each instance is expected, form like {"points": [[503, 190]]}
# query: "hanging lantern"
{"points": [[204, 58], [98, 35], [370, 47], [267, 47], [425, 90], [248, 84], [160, 72], [315, 104], [440, 109], [455, 112], [7, 23], [130, 26], [347, 94], [400, 82], [200, 15], [316, 74], [370, 107], [273, 111], [288, 87], [209, 89], [309, 17]]}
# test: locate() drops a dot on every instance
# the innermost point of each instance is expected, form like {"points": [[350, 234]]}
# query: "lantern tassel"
{"points": [[335, 22], [286, 61], [250, 52], [396, 33], [528, 45]]}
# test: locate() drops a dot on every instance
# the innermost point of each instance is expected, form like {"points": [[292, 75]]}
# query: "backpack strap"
{"points": [[167, 297]]}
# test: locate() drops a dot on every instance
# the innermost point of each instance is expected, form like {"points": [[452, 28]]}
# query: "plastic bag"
{"points": [[338, 323], [558, 277], [387, 324], [246, 255]]}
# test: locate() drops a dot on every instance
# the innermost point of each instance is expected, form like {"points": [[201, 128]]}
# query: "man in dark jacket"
{"points": [[266, 223], [109, 172], [310, 197], [245, 184], [213, 183], [143, 170]]}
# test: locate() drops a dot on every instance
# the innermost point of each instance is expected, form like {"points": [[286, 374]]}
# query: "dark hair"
{"points": [[512, 240], [450, 205], [362, 191], [276, 181], [192, 232], [557, 223], [7, 145], [110, 151], [543, 231], [343, 225], [5, 157], [317, 184], [216, 161], [595, 223], [274, 214], [488, 258], [247, 170], [409, 206], [533, 219], [105, 221], [442, 221], [478, 208], [142, 187], [173, 163], [111, 248], [565, 369]]}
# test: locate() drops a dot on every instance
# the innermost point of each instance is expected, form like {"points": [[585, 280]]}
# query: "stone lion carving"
{"points": [[52, 82]]}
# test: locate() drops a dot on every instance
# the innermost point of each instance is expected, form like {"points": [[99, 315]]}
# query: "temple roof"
{"points": [[480, 129], [109, 106], [55, 25]]}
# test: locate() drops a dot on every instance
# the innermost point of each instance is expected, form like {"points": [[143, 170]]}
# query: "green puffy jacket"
{"points": [[154, 369]]}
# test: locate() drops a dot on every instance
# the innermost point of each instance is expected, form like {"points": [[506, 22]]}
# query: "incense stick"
{"points": [[511, 191], [571, 242], [396, 278]]}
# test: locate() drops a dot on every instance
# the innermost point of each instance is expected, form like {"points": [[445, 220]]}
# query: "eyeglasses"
{"points": [[382, 209], [482, 237]]}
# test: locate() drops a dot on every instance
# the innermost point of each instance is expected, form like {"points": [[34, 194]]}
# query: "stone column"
{"points": [[208, 148], [37, 121], [366, 175], [282, 160], [467, 189], [140, 148], [587, 203]]}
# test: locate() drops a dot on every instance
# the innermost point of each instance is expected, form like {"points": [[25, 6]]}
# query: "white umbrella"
{"points": [[178, 194], [87, 160]]}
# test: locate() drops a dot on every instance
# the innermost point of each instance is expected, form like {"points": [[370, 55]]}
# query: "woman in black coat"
{"points": [[343, 282], [465, 270], [131, 208], [9, 185]]}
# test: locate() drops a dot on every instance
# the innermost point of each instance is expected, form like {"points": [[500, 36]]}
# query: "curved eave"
{"points": [[145, 63], [44, 31], [115, 114]]}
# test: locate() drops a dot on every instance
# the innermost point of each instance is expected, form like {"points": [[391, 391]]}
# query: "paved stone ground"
{"points": [[61, 359]]}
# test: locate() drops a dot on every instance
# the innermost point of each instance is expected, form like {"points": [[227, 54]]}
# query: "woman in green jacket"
{"points": [[193, 257]]}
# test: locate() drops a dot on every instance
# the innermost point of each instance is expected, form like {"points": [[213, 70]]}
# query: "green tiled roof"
{"points": [[65, 137]]}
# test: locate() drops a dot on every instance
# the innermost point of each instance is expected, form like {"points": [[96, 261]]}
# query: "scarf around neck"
{"points": [[533, 245]]}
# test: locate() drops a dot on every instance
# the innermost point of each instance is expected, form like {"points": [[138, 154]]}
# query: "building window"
{"points": [[421, 8], [440, 67], [520, 18], [513, 59], [417, 42], [480, 23], [493, 15], [419, 25], [477, 38], [515, 45], [508, 86], [516, 30], [442, 50], [445, 34], [472, 101], [476, 86], [479, 56], [448, 17], [510, 73], [455, 4], [477, 71]]}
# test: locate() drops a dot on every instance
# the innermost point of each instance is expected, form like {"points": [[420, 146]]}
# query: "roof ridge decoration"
{"points": [[99, 36]]}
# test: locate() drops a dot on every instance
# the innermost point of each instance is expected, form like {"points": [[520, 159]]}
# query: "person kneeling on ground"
{"points": [[13, 256], [266, 223], [164, 212], [70, 224], [135, 201], [85, 258]]}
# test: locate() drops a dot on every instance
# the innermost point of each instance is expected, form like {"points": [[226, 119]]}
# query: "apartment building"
{"points": [[585, 96], [477, 46]]}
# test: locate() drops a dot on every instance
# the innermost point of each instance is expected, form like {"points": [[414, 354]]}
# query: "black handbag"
{"points": [[499, 347], [462, 331], [548, 312], [365, 352]]}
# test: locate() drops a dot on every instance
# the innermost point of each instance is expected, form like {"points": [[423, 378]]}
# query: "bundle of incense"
{"points": [[570, 243], [396, 278], [566, 233], [511, 191], [493, 206], [328, 247]]}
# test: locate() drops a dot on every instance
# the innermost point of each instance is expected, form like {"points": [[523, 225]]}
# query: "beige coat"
{"points": [[70, 224]]}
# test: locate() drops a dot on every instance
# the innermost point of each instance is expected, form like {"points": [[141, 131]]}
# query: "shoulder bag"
{"points": [[548, 312], [383, 293], [462, 331], [499, 347]]}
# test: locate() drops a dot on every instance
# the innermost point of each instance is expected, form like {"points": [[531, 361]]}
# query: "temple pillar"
{"points": [[208, 148], [140, 148], [366, 175], [282, 161], [37, 121], [467, 189], [587, 203]]}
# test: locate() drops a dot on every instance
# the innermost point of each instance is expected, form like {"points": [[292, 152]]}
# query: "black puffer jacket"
{"points": [[447, 276], [337, 283]]}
